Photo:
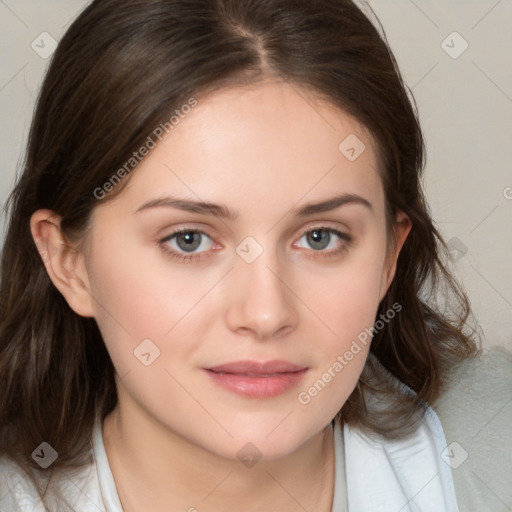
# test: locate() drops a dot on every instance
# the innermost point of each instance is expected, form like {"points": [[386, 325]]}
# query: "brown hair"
{"points": [[120, 71]]}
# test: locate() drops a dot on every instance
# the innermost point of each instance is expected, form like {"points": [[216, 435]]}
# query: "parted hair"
{"points": [[121, 69]]}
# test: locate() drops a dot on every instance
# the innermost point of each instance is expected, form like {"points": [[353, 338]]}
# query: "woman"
{"points": [[219, 276]]}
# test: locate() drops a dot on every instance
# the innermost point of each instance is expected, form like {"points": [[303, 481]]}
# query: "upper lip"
{"points": [[257, 367]]}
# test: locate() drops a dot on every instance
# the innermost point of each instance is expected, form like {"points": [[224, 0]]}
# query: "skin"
{"points": [[263, 151]]}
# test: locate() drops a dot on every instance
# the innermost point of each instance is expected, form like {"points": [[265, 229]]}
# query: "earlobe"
{"points": [[64, 263], [401, 230]]}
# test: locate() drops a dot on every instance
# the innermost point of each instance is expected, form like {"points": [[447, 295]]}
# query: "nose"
{"points": [[262, 302]]}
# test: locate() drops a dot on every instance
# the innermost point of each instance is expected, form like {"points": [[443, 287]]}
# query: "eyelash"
{"points": [[185, 258]]}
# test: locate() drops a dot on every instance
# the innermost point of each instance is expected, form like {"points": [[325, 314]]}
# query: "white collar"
{"points": [[404, 475], [408, 475]]}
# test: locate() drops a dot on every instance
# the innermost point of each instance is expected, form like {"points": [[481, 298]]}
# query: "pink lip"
{"points": [[257, 380]]}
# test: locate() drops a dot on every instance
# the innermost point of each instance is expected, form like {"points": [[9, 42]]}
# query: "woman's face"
{"points": [[288, 268]]}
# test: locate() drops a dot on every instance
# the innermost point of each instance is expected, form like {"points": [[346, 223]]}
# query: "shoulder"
{"points": [[475, 411], [74, 489]]}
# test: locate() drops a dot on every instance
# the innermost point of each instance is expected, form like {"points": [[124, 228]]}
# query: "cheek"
{"points": [[137, 298], [346, 302], [346, 299], [348, 311], [140, 283]]}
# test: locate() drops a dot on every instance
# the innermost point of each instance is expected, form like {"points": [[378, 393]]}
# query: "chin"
{"points": [[271, 440]]}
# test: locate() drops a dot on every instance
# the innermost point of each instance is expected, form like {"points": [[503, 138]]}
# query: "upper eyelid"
{"points": [[320, 225]]}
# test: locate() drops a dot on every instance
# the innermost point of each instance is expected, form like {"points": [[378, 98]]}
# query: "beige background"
{"points": [[465, 104]]}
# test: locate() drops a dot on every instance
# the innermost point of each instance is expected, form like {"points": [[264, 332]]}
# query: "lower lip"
{"points": [[257, 387]]}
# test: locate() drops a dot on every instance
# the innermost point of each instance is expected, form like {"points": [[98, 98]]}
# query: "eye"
{"points": [[186, 243], [192, 244], [325, 239]]}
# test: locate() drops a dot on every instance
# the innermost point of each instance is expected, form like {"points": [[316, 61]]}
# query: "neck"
{"points": [[154, 467]]}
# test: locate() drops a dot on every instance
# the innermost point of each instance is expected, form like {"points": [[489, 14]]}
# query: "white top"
{"points": [[406, 475]]}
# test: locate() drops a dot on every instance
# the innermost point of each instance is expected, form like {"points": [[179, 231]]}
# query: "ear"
{"points": [[401, 228], [64, 263]]}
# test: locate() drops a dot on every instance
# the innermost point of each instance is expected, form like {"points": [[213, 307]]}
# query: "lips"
{"points": [[257, 379], [256, 368]]}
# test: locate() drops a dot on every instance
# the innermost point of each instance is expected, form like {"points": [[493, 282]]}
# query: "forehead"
{"points": [[258, 144]]}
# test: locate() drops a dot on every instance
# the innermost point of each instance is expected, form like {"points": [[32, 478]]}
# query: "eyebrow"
{"points": [[223, 212]]}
